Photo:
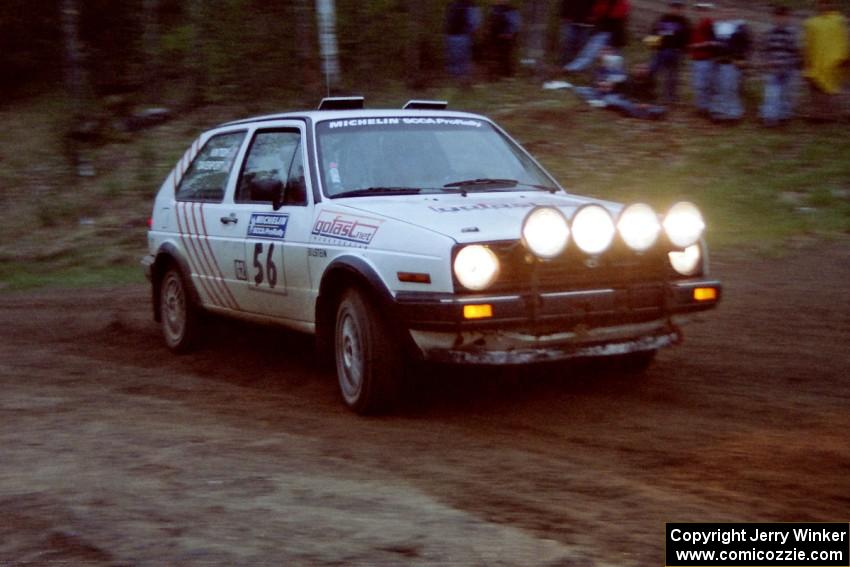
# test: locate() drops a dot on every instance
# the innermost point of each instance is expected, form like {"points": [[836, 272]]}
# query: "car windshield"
{"points": [[404, 155]]}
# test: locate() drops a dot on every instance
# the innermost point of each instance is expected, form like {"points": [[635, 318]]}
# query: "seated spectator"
{"points": [[639, 90], [613, 89]]}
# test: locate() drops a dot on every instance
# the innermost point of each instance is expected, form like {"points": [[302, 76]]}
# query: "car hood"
{"points": [[477, 217]]}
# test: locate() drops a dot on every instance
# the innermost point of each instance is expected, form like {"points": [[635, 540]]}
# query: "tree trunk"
{"points": [[413, 46], [197, 54], [535, 16], [150, 47], [328, 50], [306, 60], [73, 56]]}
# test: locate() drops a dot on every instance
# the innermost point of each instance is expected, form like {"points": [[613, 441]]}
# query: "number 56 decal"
{"points": [[265, 268]]}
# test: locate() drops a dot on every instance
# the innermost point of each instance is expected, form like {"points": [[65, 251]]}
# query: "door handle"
{"points": [[230, 219]]}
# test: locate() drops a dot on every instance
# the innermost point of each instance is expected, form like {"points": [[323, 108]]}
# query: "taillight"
{"points": [[150, 223]]}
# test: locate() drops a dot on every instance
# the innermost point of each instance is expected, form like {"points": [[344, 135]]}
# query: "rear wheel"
{"points": [[368, 360], [178, 312]]}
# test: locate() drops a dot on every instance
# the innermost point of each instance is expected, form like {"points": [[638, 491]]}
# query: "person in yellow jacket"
{"points": [[827, 53]]}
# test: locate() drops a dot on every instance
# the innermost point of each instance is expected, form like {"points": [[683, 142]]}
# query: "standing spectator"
{"points": [[733, 48], [462, 19], [503, 27], [702, 47], [673, 32], [826, 56], [782, 59], [609, 18], [575, 27]]}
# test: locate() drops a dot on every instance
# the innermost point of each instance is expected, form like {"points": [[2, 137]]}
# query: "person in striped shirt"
{"points": [[782, 60]]}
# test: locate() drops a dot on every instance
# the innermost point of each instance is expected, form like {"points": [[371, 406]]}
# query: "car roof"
{"points": [[320, 115]]}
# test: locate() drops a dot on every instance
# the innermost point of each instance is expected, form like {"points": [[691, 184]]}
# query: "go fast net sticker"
{"points": [[345, 230]]}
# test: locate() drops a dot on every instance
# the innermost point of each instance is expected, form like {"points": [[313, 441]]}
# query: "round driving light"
{"points": [[639, 227], [684, 224], [686, 262], [593, 229], [476, 267], [545, 232]]}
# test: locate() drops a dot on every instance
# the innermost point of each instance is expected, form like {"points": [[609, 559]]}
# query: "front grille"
{"points": [[573, 270]]}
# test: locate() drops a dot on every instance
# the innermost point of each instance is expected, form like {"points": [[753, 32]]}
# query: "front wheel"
{"points": [[368, 361], [178, 312]]}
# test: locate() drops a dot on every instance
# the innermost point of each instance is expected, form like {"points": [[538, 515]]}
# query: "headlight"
{"points": [[639, 227], [684, 224], [593, 229], [545, 232], [686, 262], [476, 267]]}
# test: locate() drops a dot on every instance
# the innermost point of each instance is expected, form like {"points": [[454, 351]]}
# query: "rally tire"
{"points": [[368, 359], [179, 315]]}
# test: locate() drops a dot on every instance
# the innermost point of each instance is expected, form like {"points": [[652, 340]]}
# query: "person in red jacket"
{"points": [[609, 18], [702, 49]]}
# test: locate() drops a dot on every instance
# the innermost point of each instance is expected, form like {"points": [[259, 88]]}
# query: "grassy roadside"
{"points": [[759, 188]]}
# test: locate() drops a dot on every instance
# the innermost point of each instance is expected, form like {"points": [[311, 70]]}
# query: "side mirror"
{"points": [[269, 189]]}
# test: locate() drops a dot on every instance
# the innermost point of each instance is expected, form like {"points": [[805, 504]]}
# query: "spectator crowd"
{"points": [[714, 43]]}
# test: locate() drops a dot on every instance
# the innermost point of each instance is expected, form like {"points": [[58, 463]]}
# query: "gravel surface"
{"points": [[115, 452]]}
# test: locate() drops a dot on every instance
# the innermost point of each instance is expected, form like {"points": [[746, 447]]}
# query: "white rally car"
{"points": [[419, 233]]}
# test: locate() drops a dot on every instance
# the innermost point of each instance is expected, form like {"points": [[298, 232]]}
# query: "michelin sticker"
{"points": [[347, 230], [359, 122], [268, 225]]}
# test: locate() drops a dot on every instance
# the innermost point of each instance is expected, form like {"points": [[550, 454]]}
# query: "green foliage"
{"points": [[239, 57]]}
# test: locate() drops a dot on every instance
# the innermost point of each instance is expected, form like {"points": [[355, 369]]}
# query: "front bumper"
{"points": [[553, 325]]}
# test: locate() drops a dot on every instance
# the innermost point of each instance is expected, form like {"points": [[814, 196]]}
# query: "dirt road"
{"points": [[115, 452]]}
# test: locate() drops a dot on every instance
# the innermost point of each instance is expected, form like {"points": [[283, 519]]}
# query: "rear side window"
{"points": [[206, 178]]}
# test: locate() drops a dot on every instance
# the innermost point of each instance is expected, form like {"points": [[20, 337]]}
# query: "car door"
{"points": [[199, 203], [272, 269]]}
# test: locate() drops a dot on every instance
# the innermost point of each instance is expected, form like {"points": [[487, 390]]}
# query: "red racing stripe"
{"points": [[203, 245], [185, 235], [194, 242], [187, 246], [215, 261]]}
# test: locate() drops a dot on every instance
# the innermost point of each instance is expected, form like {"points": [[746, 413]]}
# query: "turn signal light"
{"points": [[411, 277], [477, 311], [705, 294]]}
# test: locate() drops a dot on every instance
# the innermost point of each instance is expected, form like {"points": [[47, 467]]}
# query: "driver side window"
{"points": [[274, 157]]}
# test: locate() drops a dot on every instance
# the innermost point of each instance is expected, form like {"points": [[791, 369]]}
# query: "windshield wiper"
{"points": [[482, 181], [378, 191]]}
